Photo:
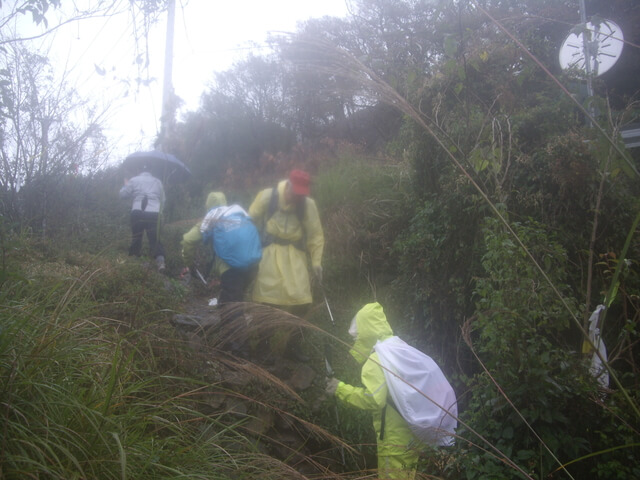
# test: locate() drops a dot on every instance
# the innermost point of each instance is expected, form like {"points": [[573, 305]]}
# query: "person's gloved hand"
{"points": [[185, 274], [332, 386], [317, 271]]}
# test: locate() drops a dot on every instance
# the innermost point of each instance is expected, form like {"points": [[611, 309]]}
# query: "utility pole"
{"points": [[587, 50], [586, 45], [167, 120]]}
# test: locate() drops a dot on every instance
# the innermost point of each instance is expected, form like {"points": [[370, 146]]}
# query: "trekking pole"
{"points": [[326, 302], [200, 276], [330, 372]]}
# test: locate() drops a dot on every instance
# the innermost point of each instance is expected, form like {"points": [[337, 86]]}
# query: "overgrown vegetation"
{"points": [[459, 184], [86, 395]]}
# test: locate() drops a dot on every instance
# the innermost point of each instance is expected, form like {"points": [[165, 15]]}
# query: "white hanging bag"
{"points": [[420, 391]]}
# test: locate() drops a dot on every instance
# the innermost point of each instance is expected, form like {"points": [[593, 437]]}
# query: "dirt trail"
{"points": [[258, 388]]}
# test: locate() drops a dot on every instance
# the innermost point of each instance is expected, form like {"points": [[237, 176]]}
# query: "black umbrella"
{"points": [[162, 165]]}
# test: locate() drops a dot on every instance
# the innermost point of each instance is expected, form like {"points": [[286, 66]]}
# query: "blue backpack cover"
{"points": [[235, 240]]}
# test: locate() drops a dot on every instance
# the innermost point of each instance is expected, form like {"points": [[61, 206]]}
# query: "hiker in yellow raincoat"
{"points": [[396, 457], [291, 230]]}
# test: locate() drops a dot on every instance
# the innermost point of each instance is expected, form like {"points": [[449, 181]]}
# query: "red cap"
{"points": [[300, 181]]}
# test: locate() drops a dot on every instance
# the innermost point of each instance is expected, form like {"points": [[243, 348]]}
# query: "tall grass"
{"points": [[82, 398]]}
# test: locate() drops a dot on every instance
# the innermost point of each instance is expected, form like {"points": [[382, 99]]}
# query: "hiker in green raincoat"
{"points": [[291, 232], [396, 457], [233, 281], [192, 240]]}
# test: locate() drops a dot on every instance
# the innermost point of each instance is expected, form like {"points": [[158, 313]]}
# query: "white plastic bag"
{"points": [[420, 391], [597, 368]]}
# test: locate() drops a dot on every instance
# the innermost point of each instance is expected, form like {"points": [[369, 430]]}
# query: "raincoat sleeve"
{"points": [[315, 234], [371, 397], [126, 191], [258, 208], [190, 243]]}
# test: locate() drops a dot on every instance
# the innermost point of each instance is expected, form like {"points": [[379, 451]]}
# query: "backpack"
{"points": [[419, 391], [272, 207], [235, 239]]}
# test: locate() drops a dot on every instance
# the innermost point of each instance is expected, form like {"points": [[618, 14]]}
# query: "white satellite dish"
{"points": [[604, 48]]}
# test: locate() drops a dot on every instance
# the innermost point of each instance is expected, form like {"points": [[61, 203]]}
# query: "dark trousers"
{"points": [[233, 284], [142, 222]]}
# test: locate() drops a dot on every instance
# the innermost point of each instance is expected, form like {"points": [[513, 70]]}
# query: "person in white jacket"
{"points": [[148, 197]]}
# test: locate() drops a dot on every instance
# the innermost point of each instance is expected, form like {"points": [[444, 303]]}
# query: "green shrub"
{"points": [[533, 373]]}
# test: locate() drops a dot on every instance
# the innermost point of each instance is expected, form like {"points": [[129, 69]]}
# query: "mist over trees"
{"points": [[460, 181], [50, 135]]}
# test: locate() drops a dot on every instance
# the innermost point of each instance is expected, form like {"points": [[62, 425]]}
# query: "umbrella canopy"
{"points": [[162, 165]]}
